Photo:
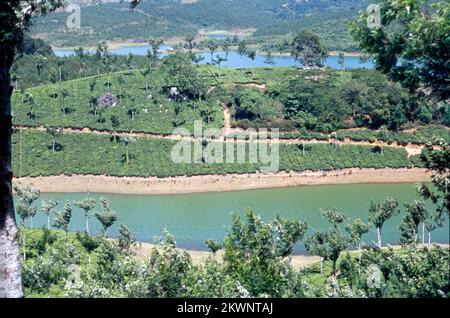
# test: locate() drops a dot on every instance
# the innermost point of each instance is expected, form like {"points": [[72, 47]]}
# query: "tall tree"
{"points": [[106, 216], [329, 244], [242, 49], [15, 19], [47, 207], [190, 42], [226, 46], [416, 214], [379, 213], [87, 205], [307, 49], [437, 161], [356, 230], [63, 217], [212, 46], [27, 195]]}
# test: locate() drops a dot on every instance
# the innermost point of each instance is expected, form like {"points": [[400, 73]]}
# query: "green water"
{"points": [[194, 218]]}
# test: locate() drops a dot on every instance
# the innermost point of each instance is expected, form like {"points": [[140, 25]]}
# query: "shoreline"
{"points": [[298, 261], [170, 42], [220, 183]]}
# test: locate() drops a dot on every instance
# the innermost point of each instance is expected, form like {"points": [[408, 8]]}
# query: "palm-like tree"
{"points": [[86, 205], [242, 49], [219, 61], [107, 216], [226, 46], [27, 195], [380, 213], [212, 46], [47, 207]]}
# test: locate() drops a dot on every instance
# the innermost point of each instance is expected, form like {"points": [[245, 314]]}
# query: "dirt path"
{"points": [[227, 120], [410, 148]]}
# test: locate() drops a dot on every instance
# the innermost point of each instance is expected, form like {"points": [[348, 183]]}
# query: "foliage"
{"points": [[307, 49], [411, 44]]}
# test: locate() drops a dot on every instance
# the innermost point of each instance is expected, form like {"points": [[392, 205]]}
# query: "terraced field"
{"points": [[101, 155]]}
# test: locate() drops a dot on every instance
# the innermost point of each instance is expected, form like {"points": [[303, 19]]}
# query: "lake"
{"points": [[235, 60], [194, 218]]}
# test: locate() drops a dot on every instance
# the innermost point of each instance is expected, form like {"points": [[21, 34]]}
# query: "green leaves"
{"points": [[411, 46]]}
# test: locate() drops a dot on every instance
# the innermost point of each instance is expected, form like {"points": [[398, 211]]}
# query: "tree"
{"points": [[226, 46], [219, 61], [341, 60], [242, 49], [251, 54], [125, 240], [329, 244], [115, 124], [27, 195], [380, 213], [410, 44], [356, 230], [16, 18], [126, 141], [208, 112], [86, 205], [63, 217], [212, 45], [30, 101], [269, 59], [47, 207], [190, 39], [121, 81], [155, 44], [438, 162], [214, 246], [307, 49], [54, 133], [107, 216], [416, 213], [64, 94], [254, 250], [90, 243]]}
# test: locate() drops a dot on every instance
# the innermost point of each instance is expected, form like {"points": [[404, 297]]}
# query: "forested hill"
{"points": [[172, 18]]}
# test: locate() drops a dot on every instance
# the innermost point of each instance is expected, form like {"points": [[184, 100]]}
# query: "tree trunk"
{"points": [[24, 242], [48, 221], [429, 238], [423, 233], [87, 225], [379, 237], [321, 266], [10, 274]]}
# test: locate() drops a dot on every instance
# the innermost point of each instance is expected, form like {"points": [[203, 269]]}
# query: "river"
{"points": [[194, 218], [236, 61]]}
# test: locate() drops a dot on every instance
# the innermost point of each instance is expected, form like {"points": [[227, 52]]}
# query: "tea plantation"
{"points": [[101, 155]]}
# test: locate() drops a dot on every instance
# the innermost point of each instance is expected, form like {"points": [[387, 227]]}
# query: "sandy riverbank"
{"points": [[219, 183], [298, 262]]}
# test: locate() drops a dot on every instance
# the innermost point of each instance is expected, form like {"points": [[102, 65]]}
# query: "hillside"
{"points": [[175, 18]]}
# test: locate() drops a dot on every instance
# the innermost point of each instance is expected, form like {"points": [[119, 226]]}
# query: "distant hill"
{"points": [[178, 18]]}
